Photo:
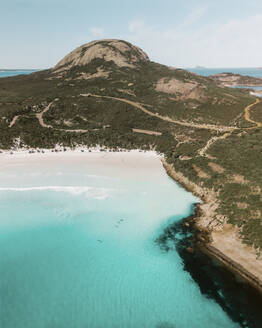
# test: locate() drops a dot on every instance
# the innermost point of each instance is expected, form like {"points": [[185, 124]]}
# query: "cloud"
{"points": [[193, 17], [193, 42], [136, 26], [97, 32]]}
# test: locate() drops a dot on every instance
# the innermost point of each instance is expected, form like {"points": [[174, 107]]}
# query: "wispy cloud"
{"points": [[195, 42], [97, 32], [193, 17]]}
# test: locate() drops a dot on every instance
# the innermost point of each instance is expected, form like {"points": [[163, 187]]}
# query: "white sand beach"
{"points": [[135, 161]]}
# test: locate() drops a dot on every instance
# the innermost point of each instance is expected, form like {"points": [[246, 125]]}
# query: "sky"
{"points": [[179, 33]]}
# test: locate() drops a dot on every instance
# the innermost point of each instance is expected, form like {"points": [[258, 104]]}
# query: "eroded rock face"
{"points": [[182, 90], [122, 53], [174, 86]]}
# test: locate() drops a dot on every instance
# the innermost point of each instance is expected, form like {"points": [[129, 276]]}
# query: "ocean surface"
{"points": [[14, 72], [77, 247], [255, 72], [246, 86]]}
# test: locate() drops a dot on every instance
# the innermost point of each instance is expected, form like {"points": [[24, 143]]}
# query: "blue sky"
{"points": [[180, 33]]}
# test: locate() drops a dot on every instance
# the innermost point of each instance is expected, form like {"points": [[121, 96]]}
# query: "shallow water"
{"points": [[77, 249]]}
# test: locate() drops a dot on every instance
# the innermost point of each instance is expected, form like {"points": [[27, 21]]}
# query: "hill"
{"points": [[109, 93]]}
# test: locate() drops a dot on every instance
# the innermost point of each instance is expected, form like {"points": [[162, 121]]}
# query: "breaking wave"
{"points": [[96, 193]]}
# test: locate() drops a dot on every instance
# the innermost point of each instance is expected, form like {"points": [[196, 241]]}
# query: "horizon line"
{"points": [[179, 67]]}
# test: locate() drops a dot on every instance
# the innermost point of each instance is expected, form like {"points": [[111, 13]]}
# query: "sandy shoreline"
{"points": [[117, 163], [91, 153], [224, 245]]}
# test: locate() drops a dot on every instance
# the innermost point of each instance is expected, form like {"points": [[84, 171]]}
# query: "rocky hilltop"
{"points": [[109, 93], [122, 53]]}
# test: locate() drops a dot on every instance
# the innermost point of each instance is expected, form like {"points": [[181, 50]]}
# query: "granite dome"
{"points": [[122, 53]]}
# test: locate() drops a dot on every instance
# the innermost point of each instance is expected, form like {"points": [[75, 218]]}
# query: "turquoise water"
{"points": [[255, 72], [245, 87], [6, 73], [77, 249]]}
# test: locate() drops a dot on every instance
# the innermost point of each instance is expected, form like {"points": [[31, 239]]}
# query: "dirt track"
{"points": [[14, 121], [202, 152], [168, 119], [247, 114], [40, 116]]}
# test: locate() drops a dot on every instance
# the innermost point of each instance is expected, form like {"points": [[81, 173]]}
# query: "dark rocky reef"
{"points": [[238, 299]]}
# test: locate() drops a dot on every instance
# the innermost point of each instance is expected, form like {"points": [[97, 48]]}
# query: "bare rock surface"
{"points": [[174, 86], [122, 53]]}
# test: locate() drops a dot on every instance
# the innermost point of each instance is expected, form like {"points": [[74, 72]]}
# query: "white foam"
{"points": [[95, 176], [92, 192], [257, 94]]}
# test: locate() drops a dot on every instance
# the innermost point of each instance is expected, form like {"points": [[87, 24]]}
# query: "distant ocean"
{"points": [[255, 72], [250, 71], [13, 72]]}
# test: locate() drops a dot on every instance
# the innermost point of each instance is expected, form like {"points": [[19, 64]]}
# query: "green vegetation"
{"points": [[256, 113], [109, 122]]}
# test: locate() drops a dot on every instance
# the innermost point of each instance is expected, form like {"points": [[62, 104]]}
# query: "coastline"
{"points": [[206, 238], [26, 153], [85, 236], [96, 158]]}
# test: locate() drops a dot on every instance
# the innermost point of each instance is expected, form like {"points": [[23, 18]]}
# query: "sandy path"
{"points": [[40, 116], [228, 129], [247, 114], [202, 151], [77, 130], [14, 121], [42, 123], [147, 132], [168, 119]]}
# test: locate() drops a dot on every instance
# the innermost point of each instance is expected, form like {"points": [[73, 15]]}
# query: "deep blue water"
{"points": [[6, 73], [255, 72]]}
